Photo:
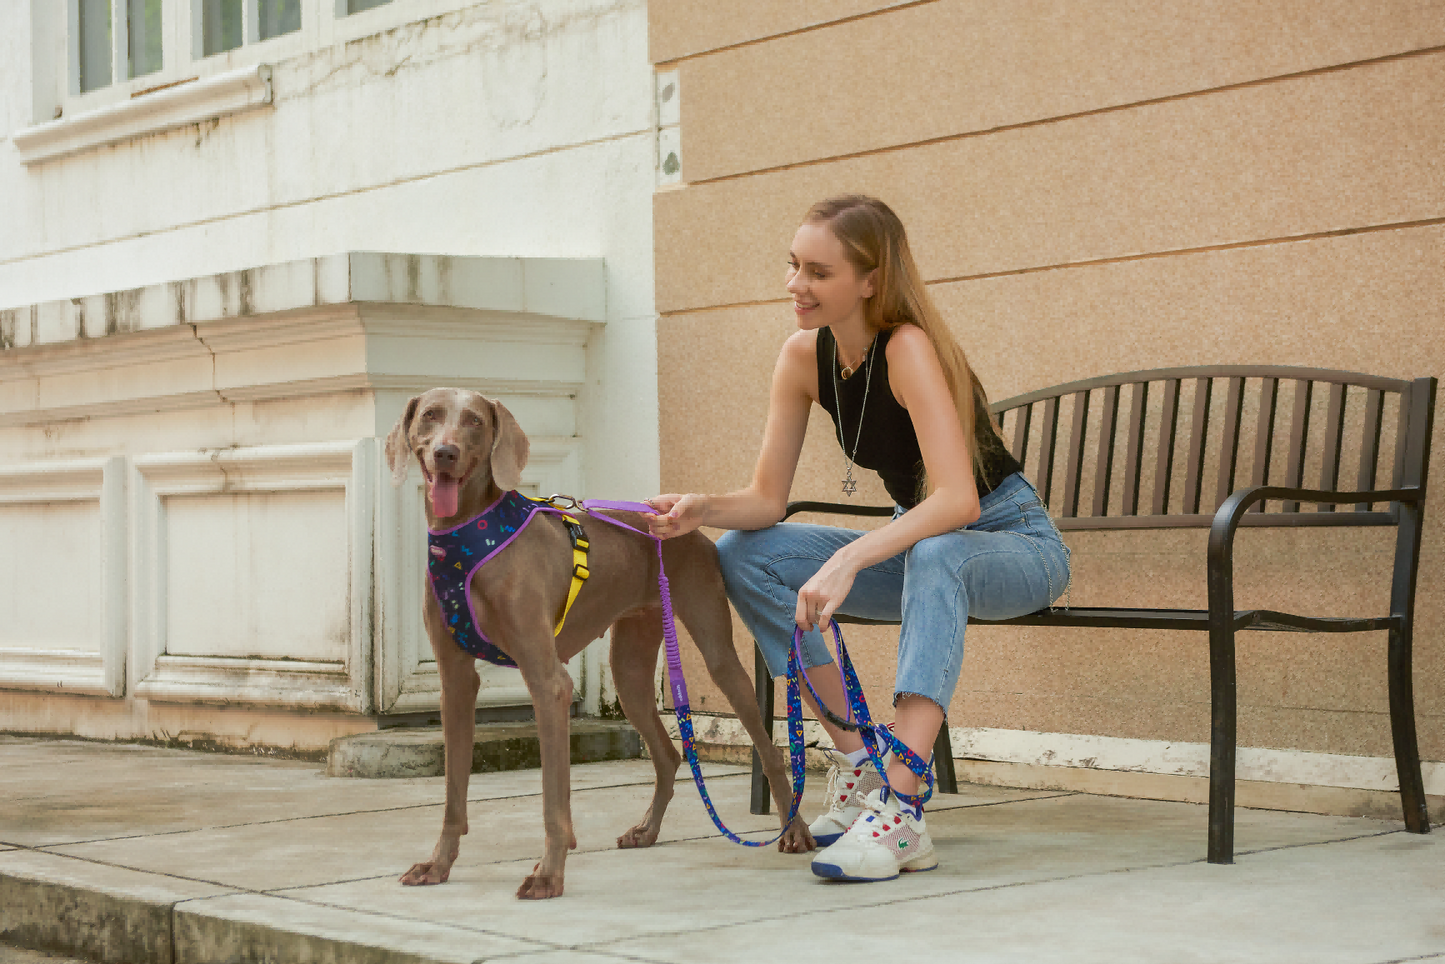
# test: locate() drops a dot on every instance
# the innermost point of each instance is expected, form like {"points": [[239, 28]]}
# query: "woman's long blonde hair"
{"points": [[874, 240]]}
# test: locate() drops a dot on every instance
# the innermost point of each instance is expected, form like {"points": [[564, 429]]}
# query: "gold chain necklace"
{"points": [[849, 484]]}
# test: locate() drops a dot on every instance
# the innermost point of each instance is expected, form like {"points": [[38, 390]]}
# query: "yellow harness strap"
{"points": [[580, 545], [580, 572]]}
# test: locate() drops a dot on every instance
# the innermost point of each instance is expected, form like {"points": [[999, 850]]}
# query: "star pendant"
{"points": [[849, 486]]}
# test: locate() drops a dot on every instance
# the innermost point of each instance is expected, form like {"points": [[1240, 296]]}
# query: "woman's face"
{"points": [[827, 290]]}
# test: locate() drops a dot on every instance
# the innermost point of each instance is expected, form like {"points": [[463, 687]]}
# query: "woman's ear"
{"points": [[868, 283]]}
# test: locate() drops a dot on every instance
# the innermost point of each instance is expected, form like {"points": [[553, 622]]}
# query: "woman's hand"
{"points": [[821, 596], [676, 514]]}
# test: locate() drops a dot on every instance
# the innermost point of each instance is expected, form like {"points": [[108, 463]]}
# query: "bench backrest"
{"points": [[1163, 448]]}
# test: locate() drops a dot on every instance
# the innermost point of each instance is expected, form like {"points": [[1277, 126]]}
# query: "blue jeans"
{"points": [[1010, 562]]}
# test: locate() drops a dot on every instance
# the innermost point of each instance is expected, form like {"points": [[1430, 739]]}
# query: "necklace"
{"points": [[849, 483]]}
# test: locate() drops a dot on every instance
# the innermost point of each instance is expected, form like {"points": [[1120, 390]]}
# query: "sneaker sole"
{"points": [[834, 872]]}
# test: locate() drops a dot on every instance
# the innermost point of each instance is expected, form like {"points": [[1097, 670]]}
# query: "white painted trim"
{"points": [[347, 465], [1089, 752], [1184, 759], [189, 102], [99, 673]]}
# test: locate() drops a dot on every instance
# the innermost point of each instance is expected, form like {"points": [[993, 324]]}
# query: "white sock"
{"points": [[856, 757]]}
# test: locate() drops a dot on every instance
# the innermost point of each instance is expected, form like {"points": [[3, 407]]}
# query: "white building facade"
{"points": [[235, 237]]}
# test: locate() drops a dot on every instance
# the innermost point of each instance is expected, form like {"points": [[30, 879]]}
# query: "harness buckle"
{"points": [[580, 572]]}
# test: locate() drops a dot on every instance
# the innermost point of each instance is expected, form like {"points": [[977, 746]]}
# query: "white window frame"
{"points": [[58, 101]]}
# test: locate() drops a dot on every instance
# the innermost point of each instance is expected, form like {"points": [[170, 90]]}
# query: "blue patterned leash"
{"points": [[683, 708], [871, 733]]}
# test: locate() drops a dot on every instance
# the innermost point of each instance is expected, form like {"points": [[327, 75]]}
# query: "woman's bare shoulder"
{"points": [[909, 344]]}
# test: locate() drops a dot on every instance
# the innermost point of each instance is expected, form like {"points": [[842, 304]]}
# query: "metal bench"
{"points": [[1135, 430]]}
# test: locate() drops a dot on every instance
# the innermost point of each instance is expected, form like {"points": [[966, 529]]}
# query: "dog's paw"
{"points": [[796, 839], [430, 872], [540, 886], [642, 835]]}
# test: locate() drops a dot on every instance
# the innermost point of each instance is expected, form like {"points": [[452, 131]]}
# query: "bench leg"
{"points": [[1221, 743], [1402, 728], [944, 780], [763, 681]]}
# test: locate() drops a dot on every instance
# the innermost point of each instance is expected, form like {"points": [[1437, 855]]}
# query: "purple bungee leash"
{"points": [[678, 684]]}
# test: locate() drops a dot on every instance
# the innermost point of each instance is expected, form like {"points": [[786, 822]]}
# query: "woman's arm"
{"points": [[763, 502], [916, 378]]}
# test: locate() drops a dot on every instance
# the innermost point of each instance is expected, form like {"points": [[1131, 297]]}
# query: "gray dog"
{"points": [[472, 452]]}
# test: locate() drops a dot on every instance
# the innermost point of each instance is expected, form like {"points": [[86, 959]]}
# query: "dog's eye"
{"points": [[430, 415], [471, 418]]}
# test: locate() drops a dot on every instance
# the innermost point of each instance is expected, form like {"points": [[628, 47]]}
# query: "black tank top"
{"points": [[888, 444]]}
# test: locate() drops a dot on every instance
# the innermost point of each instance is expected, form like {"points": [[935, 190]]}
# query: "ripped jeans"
{"points": [[1010, 562]]}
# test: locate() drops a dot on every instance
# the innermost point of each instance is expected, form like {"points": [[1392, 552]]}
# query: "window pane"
{"points": [[220, 25], [95, 44], [356, 6], [278, 17], [143, 26]]}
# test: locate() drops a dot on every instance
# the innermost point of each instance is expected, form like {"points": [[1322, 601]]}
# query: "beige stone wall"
{"points": [[1089, 187]]}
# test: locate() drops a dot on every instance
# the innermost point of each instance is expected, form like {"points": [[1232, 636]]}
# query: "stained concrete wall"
{"points": [[497, 133], [1089, 188]]}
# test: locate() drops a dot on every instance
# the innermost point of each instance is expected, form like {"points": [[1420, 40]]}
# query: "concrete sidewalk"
{"points": [[141, 854]]}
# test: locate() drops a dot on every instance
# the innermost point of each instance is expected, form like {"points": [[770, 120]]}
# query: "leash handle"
{"points": [[871, 733]]}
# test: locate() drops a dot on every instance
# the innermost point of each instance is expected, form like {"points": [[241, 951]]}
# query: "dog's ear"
{"points": [[509, 449], [398, 449]]}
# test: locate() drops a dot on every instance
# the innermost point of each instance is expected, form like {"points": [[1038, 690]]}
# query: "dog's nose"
{"points": [[445, 457]]}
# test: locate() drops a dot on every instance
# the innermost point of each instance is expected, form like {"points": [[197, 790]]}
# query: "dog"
{"points": [[472, 452]]}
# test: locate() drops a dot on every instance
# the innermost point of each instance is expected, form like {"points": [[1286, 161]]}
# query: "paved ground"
{"points": [[149, 854]]}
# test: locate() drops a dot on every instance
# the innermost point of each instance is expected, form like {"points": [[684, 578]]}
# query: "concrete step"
{"points": [[419, 751]]}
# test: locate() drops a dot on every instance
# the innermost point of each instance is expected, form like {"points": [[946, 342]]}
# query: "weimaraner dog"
{"points": [[471, 452]]}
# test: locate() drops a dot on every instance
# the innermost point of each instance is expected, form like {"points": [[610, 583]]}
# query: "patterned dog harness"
{"points": [[454, 555]]}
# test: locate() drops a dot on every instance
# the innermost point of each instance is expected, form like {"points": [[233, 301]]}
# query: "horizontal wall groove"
{"points": [[810, 28], [1076, 115], [333, 196], [1097, 262]]}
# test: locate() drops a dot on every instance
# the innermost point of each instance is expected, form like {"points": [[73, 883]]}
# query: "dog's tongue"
{"points": [[444, 496]]}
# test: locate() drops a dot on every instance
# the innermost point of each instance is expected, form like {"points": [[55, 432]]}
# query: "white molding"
{"points": [[348, 465], [1090, 752], [1183, 759], [189, 102], [100, 673]]}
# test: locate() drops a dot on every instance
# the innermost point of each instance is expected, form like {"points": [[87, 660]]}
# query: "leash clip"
{"points": [[563, 501]]}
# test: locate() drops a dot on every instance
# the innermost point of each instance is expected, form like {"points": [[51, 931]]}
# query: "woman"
{"points": [[970, 535]]}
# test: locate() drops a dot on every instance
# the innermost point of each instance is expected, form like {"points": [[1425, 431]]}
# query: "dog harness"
{"points": [[454, 555]]}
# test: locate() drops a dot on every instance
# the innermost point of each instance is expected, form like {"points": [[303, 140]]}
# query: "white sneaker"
{"points": [[847, 788], [886, 840]]}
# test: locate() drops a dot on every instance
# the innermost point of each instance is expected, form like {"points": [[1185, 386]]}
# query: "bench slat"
{"points": [[1264, 434], [1134, 454], [1021, 432], [1104, 468], [1370, 443], [1334, 438], [1229, 440], [1198, 439], [1169, 422], [1298, 438], [1048, 433], [1074, 474]]}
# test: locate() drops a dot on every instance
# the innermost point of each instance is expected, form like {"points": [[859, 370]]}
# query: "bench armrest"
{"points": [[838, 508], [1231, 512]]}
